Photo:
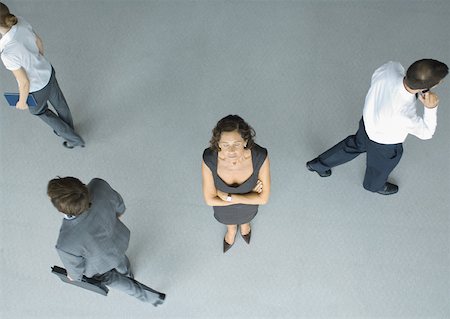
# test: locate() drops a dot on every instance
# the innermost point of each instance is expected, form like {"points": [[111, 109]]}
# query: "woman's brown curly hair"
{"points": [[232, 123]]}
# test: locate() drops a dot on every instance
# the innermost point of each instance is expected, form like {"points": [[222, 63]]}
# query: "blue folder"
{"points": [[13, 98]]}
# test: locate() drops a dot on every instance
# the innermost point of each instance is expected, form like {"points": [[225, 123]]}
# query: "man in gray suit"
{"points": [[92, 240]]}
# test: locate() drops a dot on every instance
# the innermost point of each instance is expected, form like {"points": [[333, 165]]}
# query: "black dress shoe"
{"points": [[247, 236], [66, 145], [226, 246], [321, 174], [388, 189]]}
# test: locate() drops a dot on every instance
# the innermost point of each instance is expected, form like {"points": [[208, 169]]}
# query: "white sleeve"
{"points": [[11, 62], [23, 23], [425, 127]]}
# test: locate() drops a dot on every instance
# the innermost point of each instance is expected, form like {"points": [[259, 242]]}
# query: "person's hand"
{"points": [[222, 195], [429, 99], [21, 105], [258, 188]]}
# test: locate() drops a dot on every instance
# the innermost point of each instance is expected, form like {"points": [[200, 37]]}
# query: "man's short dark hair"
{"points": [[69, 195], [425, 73]]}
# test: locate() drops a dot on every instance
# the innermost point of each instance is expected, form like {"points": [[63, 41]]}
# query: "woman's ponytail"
{"points": [[6, 18]]}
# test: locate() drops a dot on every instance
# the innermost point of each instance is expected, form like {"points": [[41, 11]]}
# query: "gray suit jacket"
{"points": [[94, 242]]}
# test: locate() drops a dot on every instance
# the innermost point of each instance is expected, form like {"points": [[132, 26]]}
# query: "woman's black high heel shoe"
{"points": [[227, 246], [247, 236]]}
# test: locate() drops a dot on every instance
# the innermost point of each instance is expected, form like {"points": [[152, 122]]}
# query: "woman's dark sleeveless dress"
{"points": [[237, 213]]}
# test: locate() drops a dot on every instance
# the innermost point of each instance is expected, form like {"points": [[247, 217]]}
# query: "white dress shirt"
{"points": [[390, 110]]}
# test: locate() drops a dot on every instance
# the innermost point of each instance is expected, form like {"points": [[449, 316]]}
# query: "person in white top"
{"points": [[22, 53], [389, 115]]}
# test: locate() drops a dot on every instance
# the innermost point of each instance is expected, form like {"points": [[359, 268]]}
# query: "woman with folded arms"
{"points": [[236, 177]]}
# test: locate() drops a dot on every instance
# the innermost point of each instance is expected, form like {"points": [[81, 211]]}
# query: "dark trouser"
{"points": [[121, 278], [381, 158], [62, 123]]}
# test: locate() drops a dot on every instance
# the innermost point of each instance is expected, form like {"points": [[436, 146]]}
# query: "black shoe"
{"points": [[321, 174], [226, 246], [388, 189], [66, 145], [247, 236]]}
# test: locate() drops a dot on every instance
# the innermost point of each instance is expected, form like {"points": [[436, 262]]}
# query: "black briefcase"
{"points": [[86, 283]]}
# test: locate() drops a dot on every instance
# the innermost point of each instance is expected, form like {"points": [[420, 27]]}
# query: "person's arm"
{"points": [[425, 127], [24, 88], [209, 189], [39, 44], [253, 198], [114, 196], [74, 265], [120, 205]]}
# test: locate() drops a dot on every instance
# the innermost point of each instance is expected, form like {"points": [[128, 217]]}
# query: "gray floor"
{"points": [[147, 81]]}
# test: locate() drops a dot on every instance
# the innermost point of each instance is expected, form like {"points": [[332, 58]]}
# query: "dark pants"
{"points": [[62, 123], [381, 158], [121, 278]]}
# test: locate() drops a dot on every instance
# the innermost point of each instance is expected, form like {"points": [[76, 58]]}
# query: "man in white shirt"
{"points": [[389, 115]]}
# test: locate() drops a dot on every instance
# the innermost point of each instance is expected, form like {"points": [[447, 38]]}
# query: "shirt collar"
{"points": [[404, 92], [69, 217]]}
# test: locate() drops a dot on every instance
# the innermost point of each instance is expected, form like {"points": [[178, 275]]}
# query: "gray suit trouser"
{"points": [[62, 123], [121, 278]]}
